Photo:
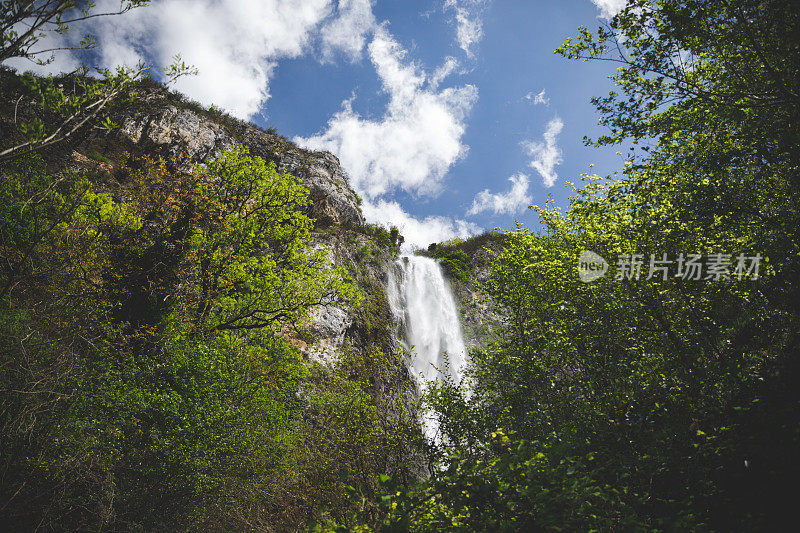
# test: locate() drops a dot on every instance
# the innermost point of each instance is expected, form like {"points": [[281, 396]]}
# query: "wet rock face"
{"points": [[174, 132]]}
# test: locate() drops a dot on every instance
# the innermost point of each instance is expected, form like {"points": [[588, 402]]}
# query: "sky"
{"points": [[450, 117]]}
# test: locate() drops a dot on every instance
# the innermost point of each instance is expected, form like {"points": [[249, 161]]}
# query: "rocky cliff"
{"points": [[166, 125], [160, 123]]}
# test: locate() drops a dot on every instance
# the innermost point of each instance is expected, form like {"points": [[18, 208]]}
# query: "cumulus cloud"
{"points": [[235, 44], [412, 146], [418, 233], [469, 22], [537, 98], [509, 202], [609, 8], [349, 30], [546, 155]]}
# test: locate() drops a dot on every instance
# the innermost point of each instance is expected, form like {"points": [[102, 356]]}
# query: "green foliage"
{"points": [[211, 423], [364, 253], [585, 367], [149, 440], [455, 256], [95, 156], [516, 485], [457, 265], [147, 382], [37, 212], [470, 246], [717, 128], [363, 431], [623, 384], [649, 404], [391, 239], [224, 248], [257, 266]]}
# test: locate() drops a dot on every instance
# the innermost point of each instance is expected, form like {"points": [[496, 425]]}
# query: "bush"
{"points": [[457, 265]]}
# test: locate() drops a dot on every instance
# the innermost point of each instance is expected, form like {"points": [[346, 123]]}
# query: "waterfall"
{"points": [[423, 303]]}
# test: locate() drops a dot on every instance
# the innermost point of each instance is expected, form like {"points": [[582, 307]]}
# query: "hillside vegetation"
{"points": [[149, 380], [195, 332]]}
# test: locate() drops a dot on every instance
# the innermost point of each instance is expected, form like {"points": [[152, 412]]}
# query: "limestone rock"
{"points": [[176, 132], [328, 325], [172, 131]]}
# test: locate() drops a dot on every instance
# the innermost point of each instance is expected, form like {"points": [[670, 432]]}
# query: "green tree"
{"points": [[256, 267], [665, 399], [710, 91], [70, 102], [147, 380]]}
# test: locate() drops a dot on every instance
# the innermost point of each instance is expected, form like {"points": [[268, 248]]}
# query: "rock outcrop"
{"points": [[159, 123], [172, 129], [169, 130]]}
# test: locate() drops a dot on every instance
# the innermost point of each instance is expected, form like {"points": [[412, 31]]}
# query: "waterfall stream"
{"points": [[422, 301]]}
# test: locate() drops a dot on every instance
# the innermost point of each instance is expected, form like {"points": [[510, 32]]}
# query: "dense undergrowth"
{"points": [[147, 381], [662, 400]]}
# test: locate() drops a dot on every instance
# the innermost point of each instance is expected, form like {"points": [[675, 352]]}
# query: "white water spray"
{"points": [[422, 301]]}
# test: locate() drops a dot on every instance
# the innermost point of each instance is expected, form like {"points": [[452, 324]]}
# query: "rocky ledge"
{"points": [[169, 130]]}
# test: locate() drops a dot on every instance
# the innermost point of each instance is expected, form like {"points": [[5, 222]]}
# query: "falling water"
{"points": [[423, 303]]}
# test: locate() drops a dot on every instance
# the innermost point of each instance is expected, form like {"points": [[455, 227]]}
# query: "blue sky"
{"points": [[450, 116]]}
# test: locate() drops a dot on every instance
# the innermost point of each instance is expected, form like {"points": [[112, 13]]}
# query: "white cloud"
{"points": [[412, 146], [235, 44], [348, 32], [609, 8], [537, 98], [546, 155], [469, 22], [512, 201], [469, 31], [417, 233], [443, 71]]}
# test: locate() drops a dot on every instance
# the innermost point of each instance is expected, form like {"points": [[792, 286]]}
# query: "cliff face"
{"points": [[159, 123], [158, 126]]}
